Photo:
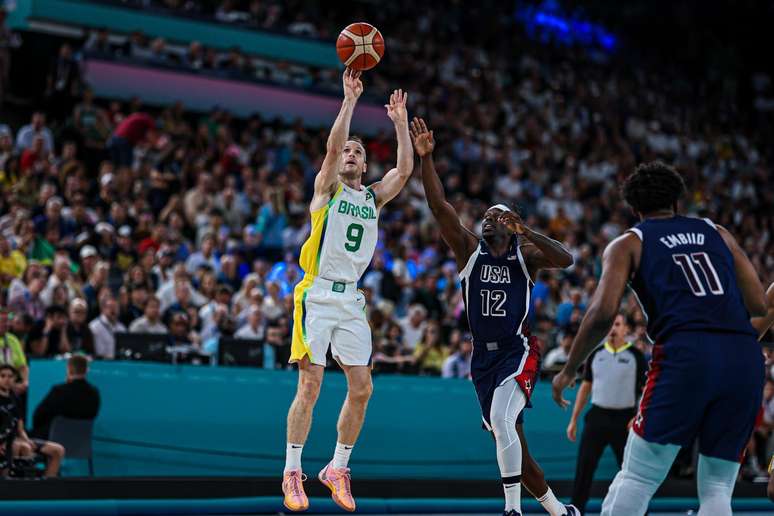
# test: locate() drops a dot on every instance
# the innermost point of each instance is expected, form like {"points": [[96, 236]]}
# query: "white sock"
{"points": [[293, 456], [512, 496], [551, 504], [341, 455]]}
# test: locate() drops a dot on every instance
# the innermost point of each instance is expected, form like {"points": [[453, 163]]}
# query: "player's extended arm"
{"points": [[457, 236], [394, 180], [580, 402], [540, 252], [749, 283], [616, 269], [762, 324], [328, 175]]}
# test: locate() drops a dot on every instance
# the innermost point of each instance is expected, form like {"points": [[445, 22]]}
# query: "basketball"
{"points": [[360, 46]]}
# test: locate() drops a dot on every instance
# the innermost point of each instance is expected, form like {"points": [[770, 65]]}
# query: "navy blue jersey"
{"points": [[686, 279], [496, 291]]}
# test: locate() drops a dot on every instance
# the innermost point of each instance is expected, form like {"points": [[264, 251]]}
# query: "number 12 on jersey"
{"points": [[686, 264], [492, 302]]}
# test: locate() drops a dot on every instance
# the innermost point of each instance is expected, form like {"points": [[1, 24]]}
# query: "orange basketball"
{"points": [[360, 46]]}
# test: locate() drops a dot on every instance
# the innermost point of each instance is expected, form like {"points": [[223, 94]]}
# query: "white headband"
{"points": [[500, 207]]}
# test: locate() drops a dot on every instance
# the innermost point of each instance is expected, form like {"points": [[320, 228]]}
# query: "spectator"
{"points": [[12, 263], [181, 331], [138, 297], [26, 135], [204, 258], [277, 338], [564, 310], [183, 301], [413, 326], [457, 365], [199, 200], [62, 276], [97, 280], [135, 129], [270, 224], [79, 336], [24, 297], [74, 399], [63, 83], [557, 357], [150, 322], [105, 327], [54, 340], [430, 354], [254, 327]]}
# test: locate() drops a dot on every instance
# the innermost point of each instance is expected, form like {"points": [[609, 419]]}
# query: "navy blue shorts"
{"points": [[705, 386], [493, 363]]}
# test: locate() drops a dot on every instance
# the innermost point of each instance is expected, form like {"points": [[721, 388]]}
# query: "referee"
{"points": [[614, 375]]}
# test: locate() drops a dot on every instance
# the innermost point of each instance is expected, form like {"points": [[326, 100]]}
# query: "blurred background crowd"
{"points": [[117, 216]]}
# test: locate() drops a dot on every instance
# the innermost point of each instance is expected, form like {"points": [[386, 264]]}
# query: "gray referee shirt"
{"points": [[617, 376]]}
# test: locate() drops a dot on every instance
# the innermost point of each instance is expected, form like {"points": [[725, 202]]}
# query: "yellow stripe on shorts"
{"points": [[299, 348]]}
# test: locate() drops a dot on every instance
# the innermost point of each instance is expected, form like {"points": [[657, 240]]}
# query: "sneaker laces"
{"points": [[294, 481], [343, 477]]}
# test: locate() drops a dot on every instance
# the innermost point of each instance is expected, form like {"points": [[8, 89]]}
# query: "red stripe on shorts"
{"points": [[653, 373]]}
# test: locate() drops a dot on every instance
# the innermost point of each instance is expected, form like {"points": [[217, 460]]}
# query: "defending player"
{"points": [[329, 310], [497, 274], [698, 289]]}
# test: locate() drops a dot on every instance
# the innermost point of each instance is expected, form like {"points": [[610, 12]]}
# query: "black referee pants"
{"points": [[601, 427]]}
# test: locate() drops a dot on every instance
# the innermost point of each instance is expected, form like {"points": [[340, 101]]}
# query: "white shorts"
{"points": [[328, 313]]}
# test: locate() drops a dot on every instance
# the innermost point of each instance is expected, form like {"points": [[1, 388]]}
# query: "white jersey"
{"points": [[343, 237]]}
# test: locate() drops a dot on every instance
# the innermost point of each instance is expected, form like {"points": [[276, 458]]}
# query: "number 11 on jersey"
{"points": [[686, 264]]}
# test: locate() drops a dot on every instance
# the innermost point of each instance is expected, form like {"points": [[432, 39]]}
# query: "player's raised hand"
{"points": [[424, 143], [559, 384], [396, 109], [353, 86], [512, 221]]}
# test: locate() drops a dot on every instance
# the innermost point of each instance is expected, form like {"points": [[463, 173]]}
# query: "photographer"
{"points": [[12, 353], [17, 442]]}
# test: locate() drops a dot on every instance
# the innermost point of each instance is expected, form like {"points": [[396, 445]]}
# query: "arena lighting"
{"points": [[569, 30]]}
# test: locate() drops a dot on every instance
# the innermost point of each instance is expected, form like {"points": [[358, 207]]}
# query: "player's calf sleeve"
{"points": [[645, 466], [716, 479], [507, 402]]}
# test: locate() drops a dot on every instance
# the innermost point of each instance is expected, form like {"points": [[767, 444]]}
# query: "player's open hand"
{"points": [[353, 86], [559, 384], [512, 221], [421, 137], [396, 109]]}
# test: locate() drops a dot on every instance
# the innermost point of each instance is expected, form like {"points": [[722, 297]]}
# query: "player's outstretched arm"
{"points": [[540, 252], [456, 236], [328, 175], [394, 180], [762, 324], [749, 283], [616, 269]]}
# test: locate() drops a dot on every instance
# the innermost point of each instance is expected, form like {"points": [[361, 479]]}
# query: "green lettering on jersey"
{"points": [[361, 212]]}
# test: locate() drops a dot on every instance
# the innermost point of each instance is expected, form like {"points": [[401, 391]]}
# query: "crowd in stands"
{"points": [[120, 217]]}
